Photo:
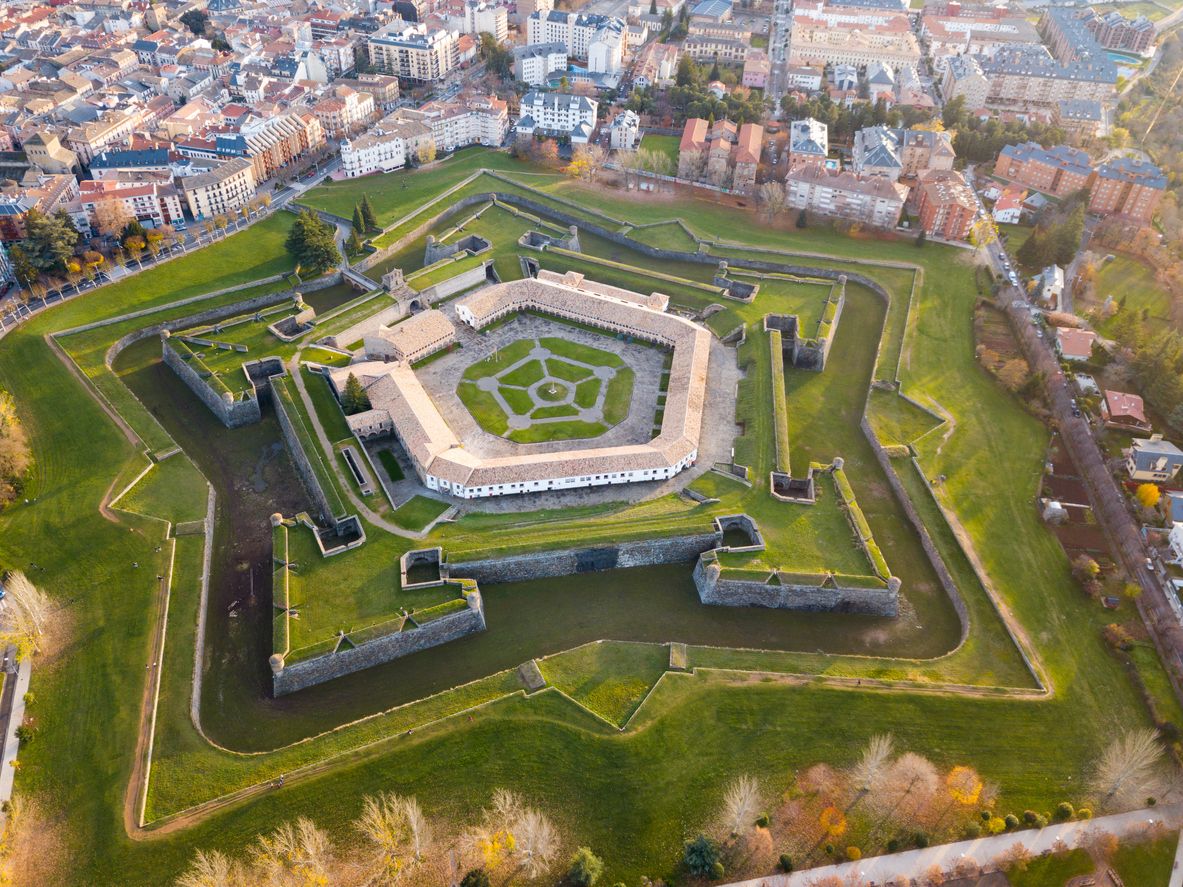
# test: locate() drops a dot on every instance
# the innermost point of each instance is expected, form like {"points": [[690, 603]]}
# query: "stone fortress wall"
{"points": [[288, 678], [230, 412], [303, 466], [828, 596]]}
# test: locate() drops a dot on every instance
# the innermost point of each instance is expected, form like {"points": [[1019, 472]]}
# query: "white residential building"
{"points": [[388, 146], [597, 38], [533, 65], [221, 190], [414, 53], [624, 131], [465, 120], [557, 114]]}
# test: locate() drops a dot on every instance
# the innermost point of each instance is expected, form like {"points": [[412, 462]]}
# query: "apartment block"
{"points": [[945, 204], [1127, 187], [414, 53], [1057, 171], [535, 64], [221, 190], [557, 114], [871, 200], [722, 155]]}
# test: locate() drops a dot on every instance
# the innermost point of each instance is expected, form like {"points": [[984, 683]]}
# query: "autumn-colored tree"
{"points": [[832, 821], [1148, 495], [112, 216], [1014, 373], [964, 785]]}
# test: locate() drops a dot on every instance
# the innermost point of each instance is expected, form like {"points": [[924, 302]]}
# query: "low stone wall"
{"points": [[303, 466], [290, 678], [825, 598], [462, 281], [569, 561], [230, 412]]}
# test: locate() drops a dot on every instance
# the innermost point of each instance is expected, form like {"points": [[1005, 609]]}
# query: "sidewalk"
{"points": [[879, 870], [12, 715]]}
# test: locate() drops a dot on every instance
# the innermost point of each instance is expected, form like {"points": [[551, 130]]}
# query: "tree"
{"points": [[1148, 495], [47, 241], [868, 773], [212, 869], [359, 224], [312, 242], [295, 853], [426, 152], [653, 7], [367, 214], [1013, 373], [23, 269], [132, 229], [475, 878], [921, 238], [715, 73], [586, 868], [112, 216], [24, 622], [398, 836], [700, 856], [354, 243], [771, 197], [741, 803], [15, 457], [802, 219], [196, 20], [1127, 773], [354, 399], [135, 247], [67, 227]]}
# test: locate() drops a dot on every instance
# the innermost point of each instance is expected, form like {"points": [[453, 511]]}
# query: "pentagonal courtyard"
{"points": [[535, 384]]}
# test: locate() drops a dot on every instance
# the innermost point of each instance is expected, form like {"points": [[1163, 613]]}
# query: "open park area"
{"points": [[614, 700]]}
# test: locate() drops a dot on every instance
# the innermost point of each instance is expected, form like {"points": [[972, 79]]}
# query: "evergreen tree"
{"points": [[132, 229], [653, 7], [313, 243], [353, 399], [23, 269], [47, 243], [921, 238], [359, 224], [1067, 236], [802, 220], [715, 72], [354, 243], [68, 228], [367, 214]]}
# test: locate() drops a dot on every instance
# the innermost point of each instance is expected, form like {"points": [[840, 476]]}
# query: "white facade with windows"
{"points": [[534, 64], [597, 38], [414, 53], [557, 114]]}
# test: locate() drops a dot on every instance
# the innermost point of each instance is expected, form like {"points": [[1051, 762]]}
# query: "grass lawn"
{"points": [[173, 490], [328, 411], [580, 352], [1128, 280], [667, 145], [619, 396], [484, 408], [1053, 871], [609, 678], [1148, 863], [545, 431], [390, 463], [418, 512], [896, 420], [696, 732], [499, 360]]}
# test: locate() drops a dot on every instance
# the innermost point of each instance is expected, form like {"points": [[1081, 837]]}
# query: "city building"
{"points": [[419, 336], [221, 190], [723, 155], [826, 34], [1124, 412], [536, 64], [1114, 31], [1083, 119], [871, 200], [153, 203], [414, 53], [344, 111], [1073, 344], [1027, 77], [382, 88], [557, 114], [945, 204], [597, 38], [656, 65], [809, 139], [1128, 187], [724, 50], [1008, 208], [387, 147], [756, 68], [1153, 459], [895, 153], [46, 152], [402, 407], [468, 119], [1057, 171], [624, 131], [964, 77]]}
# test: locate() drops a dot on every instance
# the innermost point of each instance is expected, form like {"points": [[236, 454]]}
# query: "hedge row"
{"points": [[780, 404], [861, 527]]}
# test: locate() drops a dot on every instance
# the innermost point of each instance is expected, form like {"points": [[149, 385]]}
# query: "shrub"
{"points": [[854, 854], [586, 868], [1084, 813], [785, 863], [762, 820], [717, 871], [1029, 817], [1063, 811], [1012, 821], [985, 815], [700, 855], [921, 840], [24, 734], [972, 830], [893, 844], [828, 850], [476, 878]]}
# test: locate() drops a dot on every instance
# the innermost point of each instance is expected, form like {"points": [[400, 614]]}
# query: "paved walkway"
{"points": [[879, 870], [12, 715]]}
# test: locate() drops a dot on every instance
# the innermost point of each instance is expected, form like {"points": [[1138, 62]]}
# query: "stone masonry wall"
{"points": [[303, 466], [314, 671], [466, 279], [746, 593], [231, 413], [568, 561]]}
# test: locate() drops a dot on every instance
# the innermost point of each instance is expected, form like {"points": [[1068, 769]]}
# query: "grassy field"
{"points": [[1149, 863], [634, 796], [667, 145], [1132, 285], [1052, 871]]}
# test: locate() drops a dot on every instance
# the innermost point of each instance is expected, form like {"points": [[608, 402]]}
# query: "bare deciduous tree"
{"points": [[213, 869], [1128, 772], [771, 197], [741, 803], [908, 787], [24, 621], [296, 853], [537, 842], [399, 836], [868, 774]]}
